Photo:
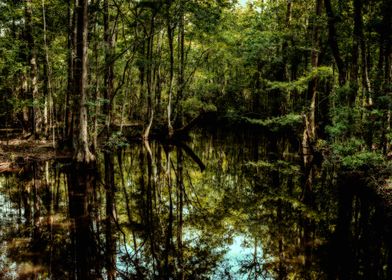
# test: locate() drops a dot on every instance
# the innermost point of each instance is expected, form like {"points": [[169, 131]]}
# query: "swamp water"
{"points": [[223, 207]]}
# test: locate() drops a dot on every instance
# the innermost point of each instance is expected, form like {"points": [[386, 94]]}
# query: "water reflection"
{"points": [[223, 207]]}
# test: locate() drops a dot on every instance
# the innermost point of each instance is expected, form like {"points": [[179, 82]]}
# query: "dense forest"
{"points": [[195, 139], [79, 71]]}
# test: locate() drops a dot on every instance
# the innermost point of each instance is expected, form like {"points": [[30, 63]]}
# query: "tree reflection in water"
{"points": [[224, 207]]}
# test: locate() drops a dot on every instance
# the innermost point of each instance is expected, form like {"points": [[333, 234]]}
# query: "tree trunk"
{"points": [[71, 40], [315, 64], [366, 86], [171, 71], [285, 45], [309, 134], [36, 120], [150, 77], [333, 43], [355, 52], [25, 110], [109, 65], [81, 147], [110, 217], [180, 214], [387, 22], [96, 90], [181, 67], [49, 110]]}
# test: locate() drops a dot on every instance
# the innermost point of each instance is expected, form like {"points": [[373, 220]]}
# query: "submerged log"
{"points": [[189, 126], [159, 130]]}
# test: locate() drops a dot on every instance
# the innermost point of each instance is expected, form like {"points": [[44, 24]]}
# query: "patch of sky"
{"points": [[237, 256]]}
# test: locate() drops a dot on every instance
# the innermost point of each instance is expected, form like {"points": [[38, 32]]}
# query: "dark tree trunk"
{"points": [[110, 217], [81, 182], [181, 66], [315, 63], [333, 42], [309, 134], [81, 146], [285, 45], [171, 71], [49, 116], [180, 218], [71, 40], [109, 66], [355, 52]]}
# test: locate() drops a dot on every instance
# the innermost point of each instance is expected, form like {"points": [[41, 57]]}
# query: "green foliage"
{"points": [[348, 147], [277, 123], [283, 167], [193, 107], [363, 160], [296, 206], [18, 104], [345, 122], [251, 63], [322, 73], [116, 141], [352, 155]]}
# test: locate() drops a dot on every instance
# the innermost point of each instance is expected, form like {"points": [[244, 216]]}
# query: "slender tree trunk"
{"points": [[169, 232], [46, 101], [383, 78], [315, 64], [158, 79], [96, 90], [309, 134], [366, 86], [180, 203], [150, 77], [181, 67], [81, 146], [25, 110], [71, 40], [49, 110], [333, 43], [171, 71], [285, 45], [109, 66], [110, 216], [36, 119], [387, 73], [357, 37]]}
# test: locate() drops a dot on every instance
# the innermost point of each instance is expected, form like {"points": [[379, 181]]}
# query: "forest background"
{"points": [[79, 71]]}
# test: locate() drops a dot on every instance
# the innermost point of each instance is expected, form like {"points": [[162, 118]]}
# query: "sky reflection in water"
{"points": [[248, 215]]}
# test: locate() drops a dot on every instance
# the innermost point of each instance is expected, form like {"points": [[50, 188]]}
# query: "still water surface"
{"points": [[236, 206]]}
